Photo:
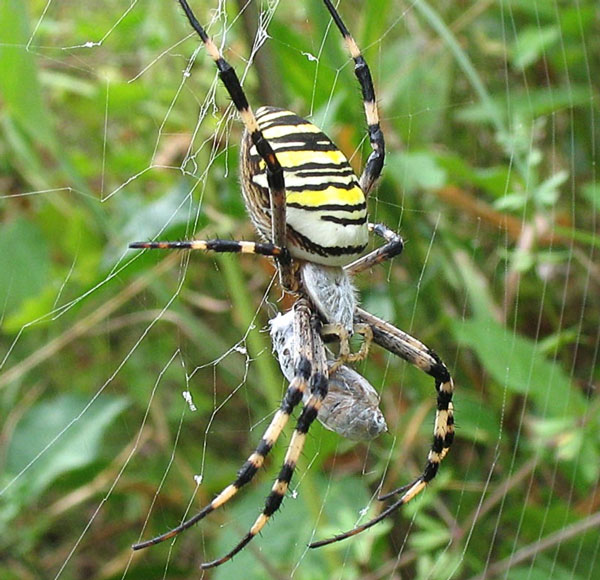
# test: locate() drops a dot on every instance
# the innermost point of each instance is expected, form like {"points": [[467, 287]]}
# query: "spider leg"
{"points": [[275, 177], [365, 331], [374, 165], [318, 384], [303, 329], [415, 352], [219, 246], [393, 246]]}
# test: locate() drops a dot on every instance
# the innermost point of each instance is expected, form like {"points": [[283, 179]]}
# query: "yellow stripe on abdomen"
{"points": [[297, 158], [278, 131], [330, 196]]}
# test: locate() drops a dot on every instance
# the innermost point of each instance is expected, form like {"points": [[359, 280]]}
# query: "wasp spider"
{"points": [[310, 209]]}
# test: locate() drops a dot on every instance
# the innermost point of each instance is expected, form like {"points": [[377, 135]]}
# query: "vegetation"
{"points": [[490, 111]]}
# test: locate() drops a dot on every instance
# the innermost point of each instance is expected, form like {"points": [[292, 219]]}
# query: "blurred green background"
{"points": [[490, 111]]}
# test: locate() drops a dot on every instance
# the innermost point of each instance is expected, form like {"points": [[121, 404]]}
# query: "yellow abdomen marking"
{"points": [[331, 196]]}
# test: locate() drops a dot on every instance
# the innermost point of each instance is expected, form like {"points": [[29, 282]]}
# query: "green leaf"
{"points": [[528, 573], [478, 421], [19, 83], [532, 43], [416, 171], [32, 308], [511, 202], [545, 567], [410, 72], [522, 260], [547, 193], [146, 220], [516, 363], [53, 438], [494, 180], [528, 104], [433, 534], [591, 191], [24, 264]]}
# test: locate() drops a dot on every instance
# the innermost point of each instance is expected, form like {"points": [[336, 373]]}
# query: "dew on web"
{"points": [[189, 400]]}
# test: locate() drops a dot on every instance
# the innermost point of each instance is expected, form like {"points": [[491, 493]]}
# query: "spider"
{"points": [[309, 208]]}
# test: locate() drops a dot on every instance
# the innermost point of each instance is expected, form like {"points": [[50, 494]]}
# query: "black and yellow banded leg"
{"points": [[217, 245], [275, 177], [416, 353], [393, 246], [318, 391], [374, 165], [304, 329]]}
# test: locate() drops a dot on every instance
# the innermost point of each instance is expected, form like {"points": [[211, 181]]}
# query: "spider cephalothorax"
{"points": [[311, 212]]}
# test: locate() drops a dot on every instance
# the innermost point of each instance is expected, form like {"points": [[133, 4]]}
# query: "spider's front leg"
{"points": [[331, 291], [374, 165], [416, 353], [394, 244], [334, 295]]}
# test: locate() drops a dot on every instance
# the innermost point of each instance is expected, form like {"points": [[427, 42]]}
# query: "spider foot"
{"points": [[398, 490], [411, 491]]}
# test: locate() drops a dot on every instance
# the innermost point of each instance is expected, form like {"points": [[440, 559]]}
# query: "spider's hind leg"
{"points": [[303, 329], [318, 387], [416, 353]]}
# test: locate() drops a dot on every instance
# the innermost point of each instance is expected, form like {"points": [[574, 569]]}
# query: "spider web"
{"points": [[133, 386]]}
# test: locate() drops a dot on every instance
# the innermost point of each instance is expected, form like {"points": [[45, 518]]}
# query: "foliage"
{"points": [[490, 113]]}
